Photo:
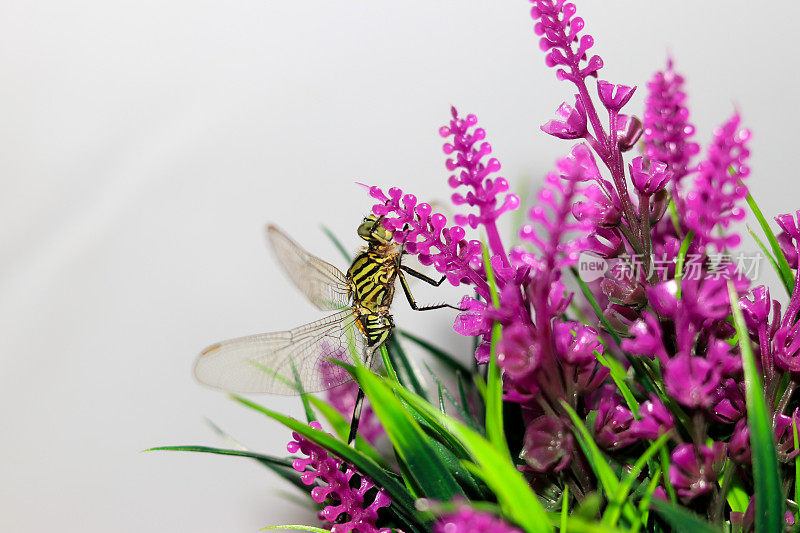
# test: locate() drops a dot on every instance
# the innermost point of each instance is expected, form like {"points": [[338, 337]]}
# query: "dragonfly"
{"points": [[292, 362]]}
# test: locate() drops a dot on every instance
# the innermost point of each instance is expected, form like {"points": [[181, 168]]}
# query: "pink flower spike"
{"points": [[614, 97], [571, 121]]}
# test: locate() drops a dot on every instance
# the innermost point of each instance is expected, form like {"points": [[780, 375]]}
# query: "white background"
{"points": [[144, 145]]}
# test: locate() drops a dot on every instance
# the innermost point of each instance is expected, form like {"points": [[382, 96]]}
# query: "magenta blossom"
{"points": [[571, 121], [359, 510], [468, 520], [691, 380], [667, 131], [694, 470], [649, 176], [614, 97]]}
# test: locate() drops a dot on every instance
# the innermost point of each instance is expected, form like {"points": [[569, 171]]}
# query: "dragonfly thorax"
{"points": [[371, 277]]}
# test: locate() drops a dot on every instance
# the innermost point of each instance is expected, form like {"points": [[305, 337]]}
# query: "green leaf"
{"points": [[300, 527], [618, 374], [462, 393], [388, 364], [737, 497], [612, 512], [494, 381], [665, 464], [644, 503], [298, 386], [597, 460], [222, 451], [341, 427], [402, 502], [682, 519], [796, 469], [425, 463], [336, 242], [562, 526], [766, 252], [768, 494], [784, 271], [282, 467], [408, 373], [681, 259], [599, 463], [578, 525], [587, 293], [465, 415], [513, 493], [436, 352]]}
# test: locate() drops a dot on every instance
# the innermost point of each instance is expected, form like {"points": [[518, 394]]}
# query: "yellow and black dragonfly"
{"points": [[287, 362]]}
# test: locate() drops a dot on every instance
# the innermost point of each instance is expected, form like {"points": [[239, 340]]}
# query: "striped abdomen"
{"points": [[376, 327]]}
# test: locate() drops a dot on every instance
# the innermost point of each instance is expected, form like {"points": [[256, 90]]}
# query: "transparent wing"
{"points": [[323, 284], [274, 362]]}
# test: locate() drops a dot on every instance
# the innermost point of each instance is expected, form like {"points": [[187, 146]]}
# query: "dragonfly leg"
{"points": [[356, 418], [419, 275], [413, 303], [368, 356]]}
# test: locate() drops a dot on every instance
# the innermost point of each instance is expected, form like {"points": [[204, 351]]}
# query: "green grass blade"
{"points": [[462, 393], [767, 253], [681, 259], [768, 493], [597, 460], [513, 493], [737, 496], [341, 427], [665, 464], [408, 373], [337, 243], [784, 271], [618, 375], [437, 352], [298, 386], [644, 503], [424, 461], [388, 364], [298, 527], [673, 215], [682, 519], [796, 469], [562, 525], [402, 502], [587, 293], [599, 463], [612, 511], [465, 415], [495, 431], [281, 466], [222, 451]]}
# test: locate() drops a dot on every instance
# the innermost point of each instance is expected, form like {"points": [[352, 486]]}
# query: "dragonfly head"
{"points": [[373, 231]]}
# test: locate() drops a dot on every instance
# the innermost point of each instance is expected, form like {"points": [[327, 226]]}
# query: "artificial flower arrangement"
{"points": [[656, 394]]}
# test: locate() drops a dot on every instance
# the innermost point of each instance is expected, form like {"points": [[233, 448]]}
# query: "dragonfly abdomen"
{"points": [[376, 327]]}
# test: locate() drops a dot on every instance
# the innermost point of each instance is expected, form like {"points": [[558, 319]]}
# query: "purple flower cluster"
{"points": [[715, 199], [667, 131], [468, 520], [469, 148], [334, 485], [670, 329]]}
